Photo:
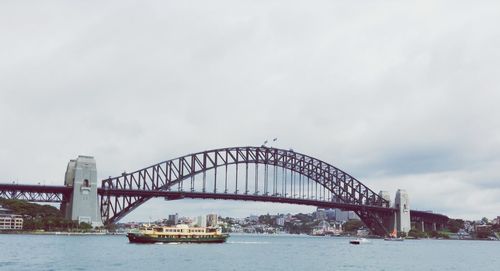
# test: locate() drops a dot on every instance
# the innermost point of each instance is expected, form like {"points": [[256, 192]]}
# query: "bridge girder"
{"points": [[344, 189], [122, 194]]}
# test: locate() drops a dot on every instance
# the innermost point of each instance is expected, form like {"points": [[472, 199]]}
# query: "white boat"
{"points": [[394, 237]]}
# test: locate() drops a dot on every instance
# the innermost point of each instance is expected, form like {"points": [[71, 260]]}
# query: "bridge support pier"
{"points": [[402, 204], [400, 220], [82, 206]]}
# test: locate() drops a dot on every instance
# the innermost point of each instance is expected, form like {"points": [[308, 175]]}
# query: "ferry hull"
{"points": [[143, 239]]}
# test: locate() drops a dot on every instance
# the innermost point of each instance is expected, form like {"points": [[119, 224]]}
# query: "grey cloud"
{"points": [[381, 90]]}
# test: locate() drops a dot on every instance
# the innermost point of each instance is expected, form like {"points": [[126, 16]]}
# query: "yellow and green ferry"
{"points": [[177, 234]]}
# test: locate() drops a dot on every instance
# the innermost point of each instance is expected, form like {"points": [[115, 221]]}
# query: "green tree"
{"points": [[417, 234], [454, 225], [85, 226]]}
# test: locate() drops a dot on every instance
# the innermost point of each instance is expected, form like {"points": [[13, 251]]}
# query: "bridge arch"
{"points": [[122, 194]]}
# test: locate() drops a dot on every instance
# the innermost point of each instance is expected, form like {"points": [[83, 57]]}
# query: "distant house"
{"points": [[10, 221], [325, 228]]}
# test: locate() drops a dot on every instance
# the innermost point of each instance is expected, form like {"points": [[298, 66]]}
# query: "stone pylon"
{"points": [[83, 205]]}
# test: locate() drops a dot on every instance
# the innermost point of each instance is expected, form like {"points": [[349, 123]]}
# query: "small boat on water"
{"points": [[394, 237], [358, 241], [177, 234]]}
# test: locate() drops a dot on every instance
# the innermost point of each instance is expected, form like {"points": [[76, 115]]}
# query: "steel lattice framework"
{"points": [[35, 193], [176, 179], [258, 174]]}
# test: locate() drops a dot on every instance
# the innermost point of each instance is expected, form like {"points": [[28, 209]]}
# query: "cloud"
{"points": [[386, 92]]}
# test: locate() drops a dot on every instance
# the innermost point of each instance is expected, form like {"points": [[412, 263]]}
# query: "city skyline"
{"points": [[399, 97]]}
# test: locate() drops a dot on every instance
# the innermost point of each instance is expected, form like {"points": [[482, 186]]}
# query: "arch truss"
{"points": [[245, 173]]}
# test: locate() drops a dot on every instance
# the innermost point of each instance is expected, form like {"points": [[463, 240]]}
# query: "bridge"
{"points": [[261, 174]]}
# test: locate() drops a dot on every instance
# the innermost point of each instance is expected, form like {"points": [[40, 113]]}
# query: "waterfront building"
{"points": [[253, 218], [201, 221], [482, 228], [343, 216], [173, 219], [186, 220], [10, 221], [280, 221], [212, 220], [385, 195], [320, 214], [330, 214], [325, 228]]}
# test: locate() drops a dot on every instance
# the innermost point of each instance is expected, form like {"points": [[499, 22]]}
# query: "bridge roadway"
{"points": [[47, 193]]}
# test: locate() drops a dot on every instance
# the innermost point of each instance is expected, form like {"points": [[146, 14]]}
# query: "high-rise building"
{"points": [[280, 221], [201, 221], [330, 214], [320, 214], [343, 216], [385, 195], [173, 219], [212, 220]]}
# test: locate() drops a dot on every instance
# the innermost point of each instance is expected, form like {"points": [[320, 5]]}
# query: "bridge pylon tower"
{"points": [[82, 205]]}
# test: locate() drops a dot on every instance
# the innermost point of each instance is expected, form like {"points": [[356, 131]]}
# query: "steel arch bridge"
{"points": [[246, 173]]}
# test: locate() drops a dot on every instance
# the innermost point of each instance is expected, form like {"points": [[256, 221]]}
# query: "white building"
{"points": [[9, 221], [325, 228], [201, 221], [280, 221], [212, 220], [173, 219]]}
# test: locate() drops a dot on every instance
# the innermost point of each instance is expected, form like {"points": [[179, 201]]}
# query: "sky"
{"points": [[399, 94]]}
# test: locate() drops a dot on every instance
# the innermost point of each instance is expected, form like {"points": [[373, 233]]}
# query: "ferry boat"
{"points": [[176, 234]]}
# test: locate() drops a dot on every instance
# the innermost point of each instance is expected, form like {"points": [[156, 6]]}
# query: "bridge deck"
{"points": [[173, 195], [19, 189]]}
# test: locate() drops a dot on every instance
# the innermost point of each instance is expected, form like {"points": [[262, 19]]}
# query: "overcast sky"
{"points": [[400, 94]]}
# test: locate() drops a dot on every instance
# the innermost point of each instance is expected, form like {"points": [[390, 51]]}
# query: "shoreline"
{"points": [[60, 233]]}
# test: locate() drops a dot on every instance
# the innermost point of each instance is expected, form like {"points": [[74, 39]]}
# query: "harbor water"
{"points": [[243, 252]]}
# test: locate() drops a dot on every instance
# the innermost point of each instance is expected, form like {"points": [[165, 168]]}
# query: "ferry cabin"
{"points": [[180, 231]]}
